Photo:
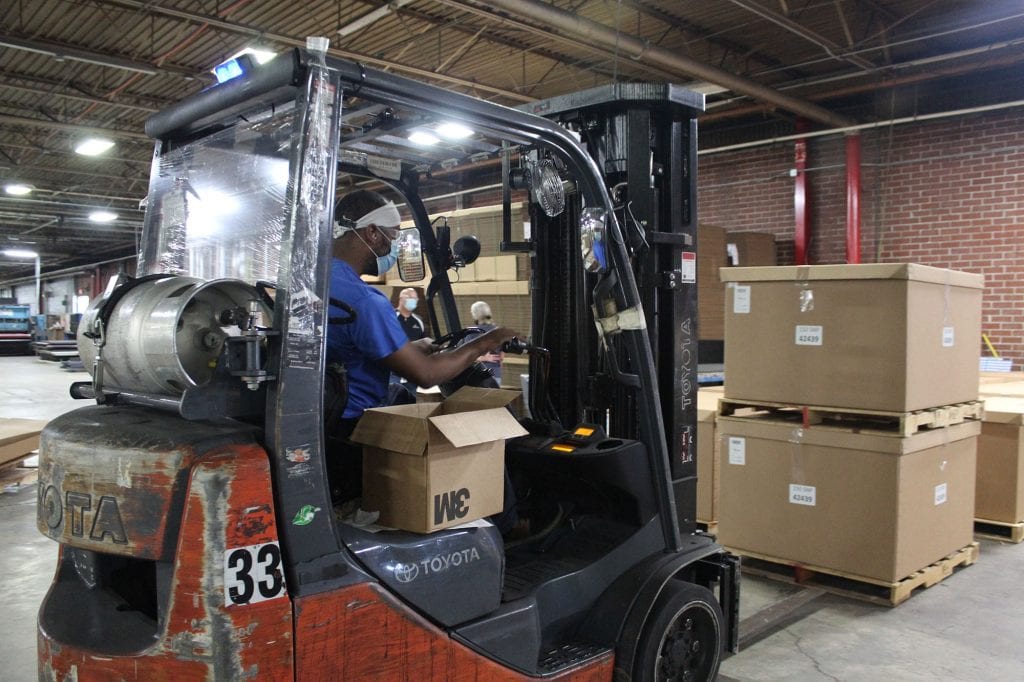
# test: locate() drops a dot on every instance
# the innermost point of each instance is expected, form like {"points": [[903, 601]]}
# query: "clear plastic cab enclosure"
{"points": [[244, 179]]}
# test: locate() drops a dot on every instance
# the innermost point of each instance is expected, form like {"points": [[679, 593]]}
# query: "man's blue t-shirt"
{"points": [[359, 346]]}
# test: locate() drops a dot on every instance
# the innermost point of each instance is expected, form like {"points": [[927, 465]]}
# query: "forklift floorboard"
{"points": [[965, 628], [574, 544]]}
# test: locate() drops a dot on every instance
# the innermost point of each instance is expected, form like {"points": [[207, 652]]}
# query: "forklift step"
{"points": [[857, 587], [570, 654], [997, 530], [867, 421]]}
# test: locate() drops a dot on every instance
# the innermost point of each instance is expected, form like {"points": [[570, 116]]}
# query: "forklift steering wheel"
{"points": [[451, 340]]}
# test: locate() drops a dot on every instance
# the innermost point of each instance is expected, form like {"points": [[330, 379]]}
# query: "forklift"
{"points": [[191, 498]]}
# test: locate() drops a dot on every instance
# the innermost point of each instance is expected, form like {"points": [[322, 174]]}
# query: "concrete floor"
{"points": [[965, 628]]}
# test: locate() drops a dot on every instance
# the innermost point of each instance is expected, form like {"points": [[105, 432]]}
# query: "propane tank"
{"points": [[165, 335]]}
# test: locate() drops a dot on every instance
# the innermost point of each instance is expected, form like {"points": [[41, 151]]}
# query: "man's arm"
{"points": [[411, 362]]}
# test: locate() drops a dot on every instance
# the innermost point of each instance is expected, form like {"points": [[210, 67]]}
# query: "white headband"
{"points": [[382, 216]]}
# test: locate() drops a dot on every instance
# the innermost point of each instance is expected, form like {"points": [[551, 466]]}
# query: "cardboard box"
{"points": [[707, 456], [505, 268], [868, 337], [876, 507], [711, 256], [486, 269], [430, 466], [18, 438], [999, 494], [748, 249]]}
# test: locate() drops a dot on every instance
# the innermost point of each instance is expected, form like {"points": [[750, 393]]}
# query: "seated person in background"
{"points": [[481, 313], [375, 344]]}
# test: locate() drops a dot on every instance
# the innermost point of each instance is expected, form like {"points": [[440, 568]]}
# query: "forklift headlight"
{"points": [[593, 246]]}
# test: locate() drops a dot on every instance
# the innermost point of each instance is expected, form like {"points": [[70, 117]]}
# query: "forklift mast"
{"points": [[643, 138]]}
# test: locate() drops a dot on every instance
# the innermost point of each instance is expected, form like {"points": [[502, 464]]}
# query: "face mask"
{"points": [[410, 304], [388, 260]]}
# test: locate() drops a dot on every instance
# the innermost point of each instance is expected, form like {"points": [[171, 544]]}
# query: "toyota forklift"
{"points": [[191, 496]]}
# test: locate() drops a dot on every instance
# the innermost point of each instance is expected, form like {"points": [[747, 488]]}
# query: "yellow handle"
{"points": [[991, 348]]}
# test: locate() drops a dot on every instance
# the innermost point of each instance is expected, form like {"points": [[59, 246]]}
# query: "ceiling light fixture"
{"points": [[102, 216], [423, 137], [93, 146], [259, 56], [453, 131], [18, 189], [20, 253]]}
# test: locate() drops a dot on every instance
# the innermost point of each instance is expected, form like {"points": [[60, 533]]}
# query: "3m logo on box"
{"points": [[802, 494], [452, 505]]}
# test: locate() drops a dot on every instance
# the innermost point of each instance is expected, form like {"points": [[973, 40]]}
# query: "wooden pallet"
{"points": [[709, 527], [903, 423], [857, 587], [997, 530], [15, 475]]}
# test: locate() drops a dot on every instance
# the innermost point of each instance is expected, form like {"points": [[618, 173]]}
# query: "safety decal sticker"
{"points": [[304, 516], [253, 574]]}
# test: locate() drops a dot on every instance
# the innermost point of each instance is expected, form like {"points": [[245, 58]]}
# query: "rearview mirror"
{"points": [[593, 229], [410, 256], [466, 250]]}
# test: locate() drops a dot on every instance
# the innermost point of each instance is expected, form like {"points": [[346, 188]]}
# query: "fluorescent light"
{"points": [[18, 189], [93, 146], [20, 253], [102, 216], [423, 137], [453, 131], [259, 56]]}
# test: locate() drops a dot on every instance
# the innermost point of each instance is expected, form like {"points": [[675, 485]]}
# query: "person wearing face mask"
{"points": [[375, 343], [412, 323]]}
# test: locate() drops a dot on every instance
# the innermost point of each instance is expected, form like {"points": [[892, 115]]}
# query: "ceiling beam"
{"points": [[61, 52], [64, 94], [602, 38], [73, 128], [253, 32], [831, 49]]}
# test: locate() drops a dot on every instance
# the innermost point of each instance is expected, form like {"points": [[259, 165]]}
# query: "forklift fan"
{"points": [[543, 181]]}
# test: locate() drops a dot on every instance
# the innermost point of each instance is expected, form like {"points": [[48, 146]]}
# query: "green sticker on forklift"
{"points": [[304, 516]]}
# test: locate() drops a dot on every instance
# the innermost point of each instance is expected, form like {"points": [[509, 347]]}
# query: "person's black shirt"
{"points": [[413, 326]]}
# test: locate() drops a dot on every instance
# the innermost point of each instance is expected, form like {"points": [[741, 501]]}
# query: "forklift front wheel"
{"points": [[683, 636]]}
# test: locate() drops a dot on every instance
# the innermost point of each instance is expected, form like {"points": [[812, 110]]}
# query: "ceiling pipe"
{"points": [[644, 52], [864, 126], [73, 128]]}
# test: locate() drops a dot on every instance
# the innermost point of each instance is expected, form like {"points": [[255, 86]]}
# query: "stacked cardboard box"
{"points": [[871, 506], [999, 495], [868, 337], [852, 497], [708, 465], [711, 257], [747, 249]]}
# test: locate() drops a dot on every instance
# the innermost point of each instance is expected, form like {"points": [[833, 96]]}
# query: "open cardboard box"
{"points": [[429, 466]]}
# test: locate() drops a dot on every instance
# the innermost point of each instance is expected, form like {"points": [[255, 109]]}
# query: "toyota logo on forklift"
{"points": [[216, 521]]}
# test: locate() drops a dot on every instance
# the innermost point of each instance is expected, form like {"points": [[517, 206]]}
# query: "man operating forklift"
{"points": [[368, 341]]}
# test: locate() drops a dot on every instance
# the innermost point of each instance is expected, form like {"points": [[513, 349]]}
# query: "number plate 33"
{"points": [[253, 574]]}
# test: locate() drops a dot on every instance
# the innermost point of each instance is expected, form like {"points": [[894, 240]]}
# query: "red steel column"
{"points": [[800, 205], [853, 198]]}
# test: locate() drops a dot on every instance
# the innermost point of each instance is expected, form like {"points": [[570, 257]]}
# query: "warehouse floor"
{"points": [[964, 628]]}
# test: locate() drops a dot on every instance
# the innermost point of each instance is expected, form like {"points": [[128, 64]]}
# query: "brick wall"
{"points": [[948, 193]]}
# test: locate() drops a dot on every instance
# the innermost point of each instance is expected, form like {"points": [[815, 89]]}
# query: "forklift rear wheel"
{"points": [[683, 638]]}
